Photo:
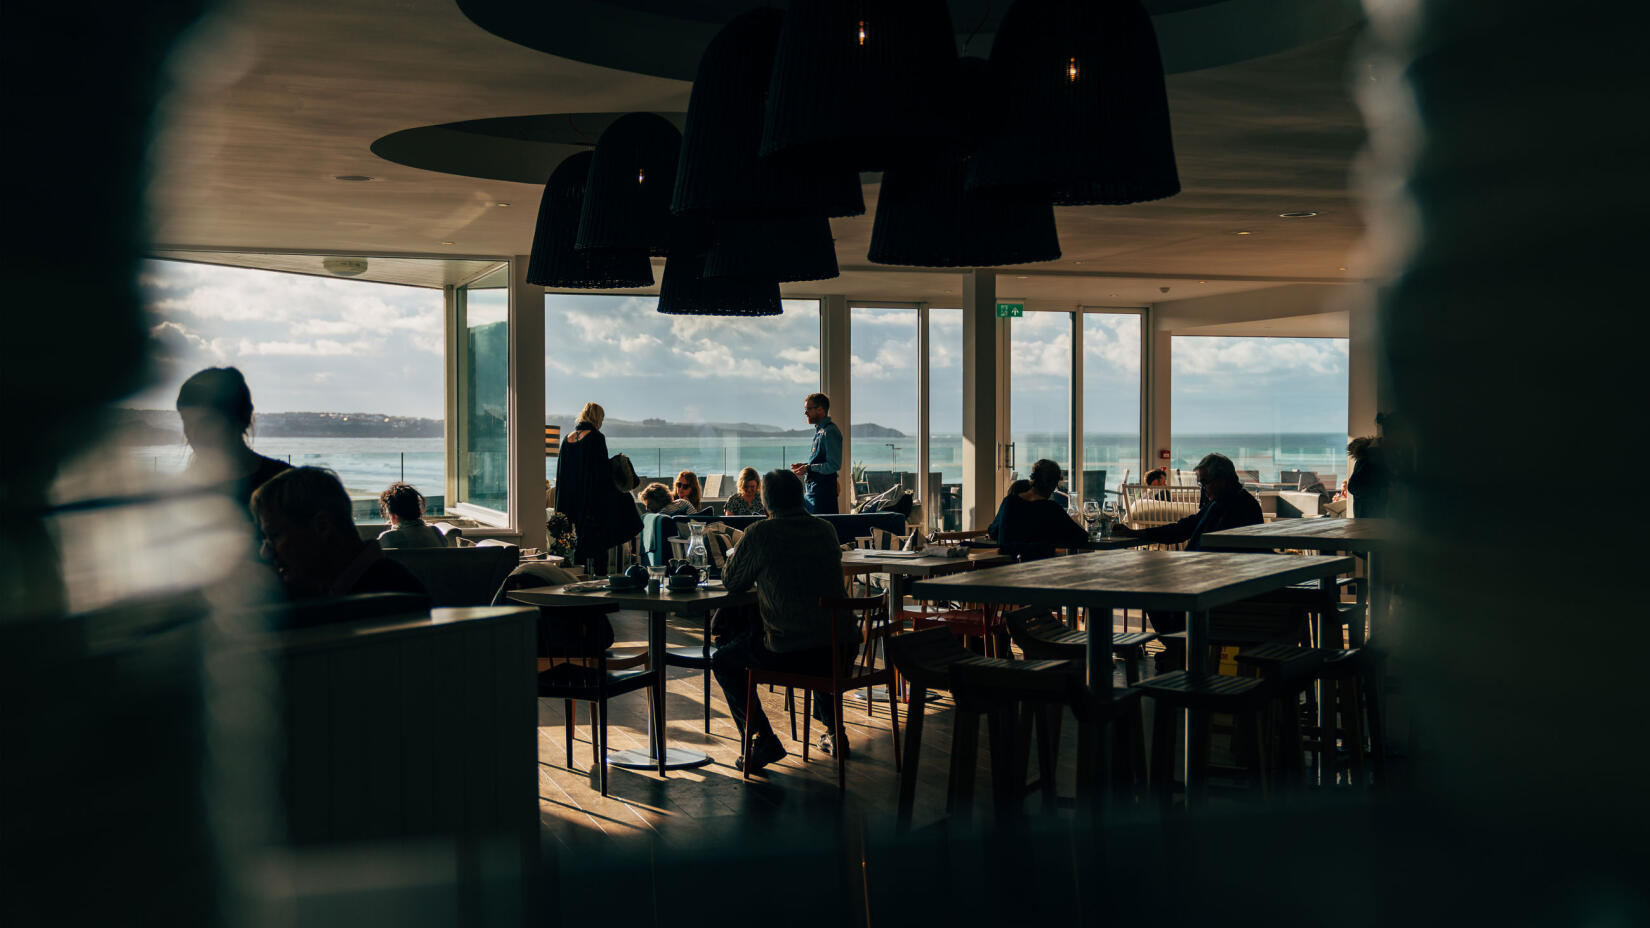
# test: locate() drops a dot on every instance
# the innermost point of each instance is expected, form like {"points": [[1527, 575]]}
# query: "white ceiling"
{"points": [[276, 99]]}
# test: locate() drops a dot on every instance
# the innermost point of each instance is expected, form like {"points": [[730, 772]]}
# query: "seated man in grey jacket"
{"points": [[793, 560]]}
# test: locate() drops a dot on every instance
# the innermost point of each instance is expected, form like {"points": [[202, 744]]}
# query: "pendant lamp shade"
{"points": [[720, 172], [627, 194], [554, 262], [1087, 117], [685, 292], [861, 84], [926, 217], [791, 249]]}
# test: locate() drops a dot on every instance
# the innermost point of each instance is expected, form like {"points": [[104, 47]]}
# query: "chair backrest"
{"points": [[467, 576], [1148, 506], [872, 621], [718, 485], [1248, 476], [1030, 627], [924, 657]]}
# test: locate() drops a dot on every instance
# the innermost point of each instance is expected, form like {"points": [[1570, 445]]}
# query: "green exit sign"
{"points": [[1010, 310]]}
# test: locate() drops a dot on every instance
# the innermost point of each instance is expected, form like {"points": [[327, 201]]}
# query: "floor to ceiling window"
{"points": [[481, 474], [709, 394], [344, 374], [1275, 406], [1111, 400], [1040, 389], [883, 435]]}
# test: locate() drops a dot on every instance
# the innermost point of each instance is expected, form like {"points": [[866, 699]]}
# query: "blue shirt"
{"points": [[825, 457]]}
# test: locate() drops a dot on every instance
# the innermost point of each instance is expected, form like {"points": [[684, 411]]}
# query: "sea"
{"points": [[368, 465]]}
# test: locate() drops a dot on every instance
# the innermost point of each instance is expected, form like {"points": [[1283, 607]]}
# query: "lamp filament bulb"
{"points": [[1071, 70], [862, 32]]}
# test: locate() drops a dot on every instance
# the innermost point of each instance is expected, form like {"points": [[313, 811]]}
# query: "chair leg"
{"points": [[1162, 766], [893, 720], [599, 710], [807, 722], [1131, 665], [707, 698], [568, 710], [790, 708], [1251, 721], [841, 742], [965, 746], [745, 726], [913, 745], [1047, 739]]}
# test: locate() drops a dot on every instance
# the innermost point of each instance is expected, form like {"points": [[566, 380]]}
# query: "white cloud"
{"points": [[324, 347], [1257, 356]]}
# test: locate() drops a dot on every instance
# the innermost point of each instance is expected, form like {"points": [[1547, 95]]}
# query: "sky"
{"points": [[320, 344]]}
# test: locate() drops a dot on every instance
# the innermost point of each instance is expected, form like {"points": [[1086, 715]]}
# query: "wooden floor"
{"points": [[690, 805]]}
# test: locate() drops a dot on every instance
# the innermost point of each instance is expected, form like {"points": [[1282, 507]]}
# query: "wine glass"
{"points": [[1091, 514]]}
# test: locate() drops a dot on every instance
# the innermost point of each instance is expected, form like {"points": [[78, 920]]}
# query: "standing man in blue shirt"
{"points": [[824, 460]]}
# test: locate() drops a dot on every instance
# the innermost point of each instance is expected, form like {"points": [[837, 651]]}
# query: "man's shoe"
{"points": [[827, 744], [764, 751]]}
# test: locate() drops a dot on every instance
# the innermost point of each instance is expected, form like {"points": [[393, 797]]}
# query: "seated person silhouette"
{"points": [[310, 536], [1033, 525], [403, 506]]}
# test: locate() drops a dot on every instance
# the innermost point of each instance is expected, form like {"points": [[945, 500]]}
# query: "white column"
{"points": [[1159, 360], [927, 500], [1075, 406], [835, 379], [984, 345], [526, 406], [1362, 375]]}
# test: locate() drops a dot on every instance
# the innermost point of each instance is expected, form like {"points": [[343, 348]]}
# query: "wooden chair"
{"points": [[596, 685], [860, 674]]}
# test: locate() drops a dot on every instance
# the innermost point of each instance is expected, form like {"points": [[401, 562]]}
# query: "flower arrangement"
{"points": [[562, 538]]}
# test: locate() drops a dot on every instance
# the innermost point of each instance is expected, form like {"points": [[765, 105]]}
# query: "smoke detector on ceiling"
{"points": [[345, 267]]}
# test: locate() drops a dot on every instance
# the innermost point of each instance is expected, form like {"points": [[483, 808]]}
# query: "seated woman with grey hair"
{"points": [[656, 498], [747, 499], [403, 507]]}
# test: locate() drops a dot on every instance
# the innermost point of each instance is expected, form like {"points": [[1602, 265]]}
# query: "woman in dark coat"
{"points": [[603, 515]]}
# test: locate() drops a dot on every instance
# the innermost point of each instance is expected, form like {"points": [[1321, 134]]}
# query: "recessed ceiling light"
{"points": [[1203, 281], [446, 243], [1027, 277], [1114, 295], [1297, 214], [501, 203], [1076, 262], [1341, 269], [1243, 233], [353, 178]]}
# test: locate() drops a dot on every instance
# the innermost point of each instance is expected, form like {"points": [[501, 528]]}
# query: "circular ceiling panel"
{"points": [[523, 149], [664, 38]]}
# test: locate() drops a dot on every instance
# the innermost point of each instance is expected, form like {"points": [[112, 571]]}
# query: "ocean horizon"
{"points": [[368, 465]]}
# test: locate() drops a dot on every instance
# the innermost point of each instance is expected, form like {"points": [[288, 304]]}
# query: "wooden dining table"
{"points": [[1368, 538], [658, 605], [1193, 582]]}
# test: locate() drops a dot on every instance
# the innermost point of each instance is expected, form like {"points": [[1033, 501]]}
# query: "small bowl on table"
{"points": [[684, 583]]}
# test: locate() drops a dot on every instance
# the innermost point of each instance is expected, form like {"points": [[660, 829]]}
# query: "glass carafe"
{"points": [[698, 556]]}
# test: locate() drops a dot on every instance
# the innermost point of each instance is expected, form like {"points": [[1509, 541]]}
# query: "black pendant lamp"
{"points": [[627, 194], [554, 262], [789, 249], [1086, 114], [686, 292], [861, 84], [926, 217], [720, 173]]}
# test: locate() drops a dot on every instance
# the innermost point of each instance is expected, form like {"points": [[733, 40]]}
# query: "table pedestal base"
{"points": [[675, 759]]}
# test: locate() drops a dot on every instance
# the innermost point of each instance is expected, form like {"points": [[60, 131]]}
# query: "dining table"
{"points": [[1193, 582], [658, 605], [1368, 538]]}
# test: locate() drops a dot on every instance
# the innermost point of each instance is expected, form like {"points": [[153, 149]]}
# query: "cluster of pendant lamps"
{"points": [[788, 107]]}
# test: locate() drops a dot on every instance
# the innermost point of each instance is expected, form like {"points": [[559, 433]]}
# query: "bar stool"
{"points": [[1040, 635], [994, 689], [1292, 670], [1245, 698]]}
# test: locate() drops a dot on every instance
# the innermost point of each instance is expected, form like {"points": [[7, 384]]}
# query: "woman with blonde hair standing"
{"points": [[602, 514]]}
